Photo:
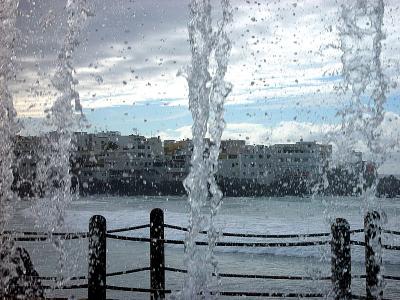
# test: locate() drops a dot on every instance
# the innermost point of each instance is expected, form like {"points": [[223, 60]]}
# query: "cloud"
{"points": [[180, 133], [254, 133], [279, 50]]}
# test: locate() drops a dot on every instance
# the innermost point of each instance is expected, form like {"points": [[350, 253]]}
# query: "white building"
{"points": [[177, 156], [229, 158], [302, 159], [244, 162], [108, 155], [255, 164]]}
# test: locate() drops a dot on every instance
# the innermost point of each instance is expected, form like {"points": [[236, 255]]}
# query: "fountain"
{"points": [[8, 124], [361, 44], [361, 38], [8, 130], [207, 92], [54, 165]]}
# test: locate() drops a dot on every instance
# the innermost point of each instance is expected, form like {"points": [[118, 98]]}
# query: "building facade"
{"points": [[302, 159], [109, 158]]}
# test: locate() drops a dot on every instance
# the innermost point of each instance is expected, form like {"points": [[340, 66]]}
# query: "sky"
{"points": [[285, 68]]}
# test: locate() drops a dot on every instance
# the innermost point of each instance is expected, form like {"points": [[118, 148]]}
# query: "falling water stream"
{"points": [[207, 92], [57, 146], [361, 38], [8, 130], [361, 42]]}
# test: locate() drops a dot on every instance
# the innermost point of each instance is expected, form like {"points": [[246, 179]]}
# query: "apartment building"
{"points": [[27, 157], [302, 159], [229, 160], [111, 157], [256, 163], [108, 156], [177, 159]]}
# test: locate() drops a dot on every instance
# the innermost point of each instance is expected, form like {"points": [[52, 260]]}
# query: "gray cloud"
{"points": [[274, 45]]}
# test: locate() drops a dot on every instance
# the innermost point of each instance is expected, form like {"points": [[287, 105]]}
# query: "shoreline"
{"points": [[387, 187]]}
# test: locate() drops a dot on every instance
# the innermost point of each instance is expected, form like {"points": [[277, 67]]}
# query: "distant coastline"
{"points": [[388, 187], [115, 164]]}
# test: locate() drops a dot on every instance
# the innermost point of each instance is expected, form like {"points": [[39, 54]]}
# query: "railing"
{"points": [[340, 261]]}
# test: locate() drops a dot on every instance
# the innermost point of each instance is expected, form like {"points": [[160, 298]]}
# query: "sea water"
{"points": [[244, 215]]}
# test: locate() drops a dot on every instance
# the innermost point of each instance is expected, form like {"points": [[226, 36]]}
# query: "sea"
{"points": [[276, 215]]}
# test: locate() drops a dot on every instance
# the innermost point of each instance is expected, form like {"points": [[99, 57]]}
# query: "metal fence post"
{"points": [[373, 255], [97, 258], [157, 259], [341, 260]]}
